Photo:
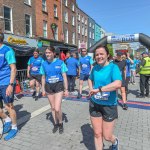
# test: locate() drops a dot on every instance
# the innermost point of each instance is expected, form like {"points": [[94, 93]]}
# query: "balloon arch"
{"points": [[127, 38]]}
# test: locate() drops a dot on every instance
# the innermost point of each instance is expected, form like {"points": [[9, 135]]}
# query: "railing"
{"points": [[23, 79]]}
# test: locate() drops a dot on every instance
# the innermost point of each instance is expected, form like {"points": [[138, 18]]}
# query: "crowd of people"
{"points": [[56, 77]]}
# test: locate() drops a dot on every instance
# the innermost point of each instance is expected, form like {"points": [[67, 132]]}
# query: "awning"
{"points": [[21, 50]]}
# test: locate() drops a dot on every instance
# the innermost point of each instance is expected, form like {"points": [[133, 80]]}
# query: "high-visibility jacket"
{"points": [[145, 70]]}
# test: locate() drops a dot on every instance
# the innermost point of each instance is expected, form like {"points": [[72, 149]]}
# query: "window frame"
{"points": [[44, 5], [55, 11], [30, 26], [45, 29]]}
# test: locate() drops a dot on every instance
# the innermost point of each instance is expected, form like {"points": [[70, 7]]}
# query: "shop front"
{"points": [[23, 48]]}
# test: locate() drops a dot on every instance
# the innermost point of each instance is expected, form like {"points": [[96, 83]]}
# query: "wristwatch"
{"points": [[12, 84], [100, 89]]}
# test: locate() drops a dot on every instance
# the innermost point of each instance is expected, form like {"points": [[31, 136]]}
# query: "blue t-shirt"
{"points": [[128, 64], [85, 64], [101, 76], [133, 66], [35, 64], [7, 57], [53, 70], [72, 65]]}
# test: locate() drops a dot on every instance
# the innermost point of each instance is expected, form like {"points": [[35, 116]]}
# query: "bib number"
{"points": [[53, 79], [103, 96]]}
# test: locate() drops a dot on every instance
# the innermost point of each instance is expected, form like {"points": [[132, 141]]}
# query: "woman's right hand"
{"points": [[43, 93], [28, 75], [93, 91]]}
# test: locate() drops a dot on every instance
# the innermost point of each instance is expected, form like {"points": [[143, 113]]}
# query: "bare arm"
{"points": [[28, 70], [65, 84], [43, 83], [9, 89]]}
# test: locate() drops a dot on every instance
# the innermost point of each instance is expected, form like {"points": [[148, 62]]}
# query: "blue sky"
{"points": [[119, 16]]}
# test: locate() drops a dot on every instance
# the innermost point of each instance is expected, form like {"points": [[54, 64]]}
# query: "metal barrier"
{"points": [[23, 79]]}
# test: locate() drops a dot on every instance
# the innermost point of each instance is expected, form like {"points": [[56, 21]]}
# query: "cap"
{"points": [[145, 53], [119, 53]]}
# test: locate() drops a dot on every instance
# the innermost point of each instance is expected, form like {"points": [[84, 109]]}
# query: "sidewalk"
{"points": [[132, 127]]}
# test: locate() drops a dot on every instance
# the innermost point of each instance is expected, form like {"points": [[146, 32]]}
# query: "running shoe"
{"points": [[36, 98], [140, 96], [147, 95], [116, 146], [11, 134], [7, 127], [79, 96], [125, 107], [34, 93], [61, 128], [55, 128]]}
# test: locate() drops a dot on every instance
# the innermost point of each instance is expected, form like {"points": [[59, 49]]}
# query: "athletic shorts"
{"points": [[53, 88], [108, 113], [36, 77], [6, 99], [84, 77]]}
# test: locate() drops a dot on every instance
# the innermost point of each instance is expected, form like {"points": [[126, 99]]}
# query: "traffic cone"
{"points": [[18, 87]]}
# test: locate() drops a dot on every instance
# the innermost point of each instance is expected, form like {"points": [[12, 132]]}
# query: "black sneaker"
{"points": [[115, 147], [36, 98], [147, 95], [124, 107], [61, 128], [79, 96], [141, 96], [55, 128], [34, 93]]}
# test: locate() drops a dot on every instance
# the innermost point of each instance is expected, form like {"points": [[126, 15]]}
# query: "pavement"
{"points": [[35, 125]]}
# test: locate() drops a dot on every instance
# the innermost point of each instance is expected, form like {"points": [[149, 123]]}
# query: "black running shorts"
{"points": [[108, 113]]}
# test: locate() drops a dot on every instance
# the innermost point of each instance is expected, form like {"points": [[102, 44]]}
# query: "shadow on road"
{"points": [[22, 116], [88, 136], [49, 117]]}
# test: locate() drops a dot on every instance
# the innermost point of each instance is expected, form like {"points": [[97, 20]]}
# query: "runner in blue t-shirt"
{"points": [[7, 79], [33, 72], [72, 65], [54, 84], [104, 80], [85, 66]]}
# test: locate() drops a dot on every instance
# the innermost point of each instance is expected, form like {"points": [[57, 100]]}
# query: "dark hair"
{"points": [[36, 50], [1, 37], [101, 46], [51, 48]]}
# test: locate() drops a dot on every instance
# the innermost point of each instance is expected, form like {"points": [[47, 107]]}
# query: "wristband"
{"points": [[100, 89], [12, 84]]}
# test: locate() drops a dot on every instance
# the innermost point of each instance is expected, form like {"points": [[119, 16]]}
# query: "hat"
{"points": [[119, 53], [145, 53]]}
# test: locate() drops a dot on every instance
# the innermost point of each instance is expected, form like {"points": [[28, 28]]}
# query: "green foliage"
{"points": [[111, 52]]}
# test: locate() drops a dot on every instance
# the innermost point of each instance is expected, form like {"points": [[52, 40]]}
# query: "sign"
{"points": [[123, 38], [14, 40]]}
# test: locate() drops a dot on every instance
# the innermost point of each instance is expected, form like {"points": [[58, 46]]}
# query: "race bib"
{"points": [[84, 66], [53, 79], [103, 96], [34, 68]]}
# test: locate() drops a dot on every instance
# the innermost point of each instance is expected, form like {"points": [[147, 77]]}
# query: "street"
{"points": [[35, 125]]}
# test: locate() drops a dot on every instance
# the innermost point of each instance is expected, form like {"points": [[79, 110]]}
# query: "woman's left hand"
{"points": [[66, 93]]}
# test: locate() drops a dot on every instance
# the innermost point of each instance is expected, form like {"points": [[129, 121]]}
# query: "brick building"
{"points": [[69, 21], [81, 28]]}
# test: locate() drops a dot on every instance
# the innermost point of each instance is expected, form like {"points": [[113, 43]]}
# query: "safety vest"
{"points": [[146, 68]]}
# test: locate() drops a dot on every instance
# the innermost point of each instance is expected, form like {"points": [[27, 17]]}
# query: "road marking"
{"points": [[37, 112]]}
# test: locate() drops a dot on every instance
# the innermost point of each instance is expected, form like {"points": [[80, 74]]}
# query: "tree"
{"points": [[111, 52]]}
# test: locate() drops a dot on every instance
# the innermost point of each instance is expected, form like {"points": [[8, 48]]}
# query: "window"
{"points": [[45, 29], [73, 38], [56, 33], [73, 21], [78, 28], [78, 16], [90, 35], [66, 35], [72, 7], [27, 2], [44, 5], [90, 25], [28, 25], [85, 31], [82, 30], [82, 19], [90, 45], [66, 16], [8, 19], [55, 11], [93, 26], [93, 36], [78, 43], [85, 21], [66, 2]]}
